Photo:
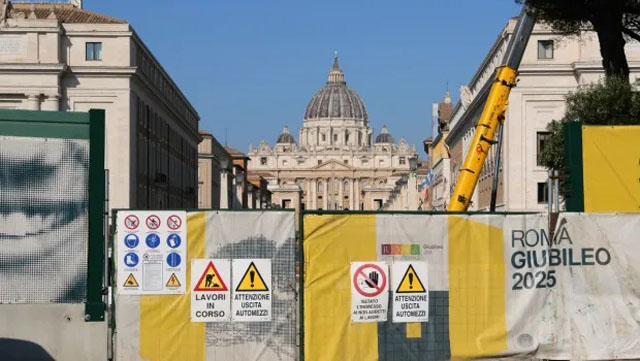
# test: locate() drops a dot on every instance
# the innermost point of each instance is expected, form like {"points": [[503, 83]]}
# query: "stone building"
{"points": [[552, 67], [337, 164], [215, 166], [64, 58], [439, 191]]}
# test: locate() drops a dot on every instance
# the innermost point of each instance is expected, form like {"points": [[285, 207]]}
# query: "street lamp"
{"points": [[413, 163]]}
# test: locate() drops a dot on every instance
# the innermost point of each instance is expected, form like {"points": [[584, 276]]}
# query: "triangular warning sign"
{"points": [[410, 282], [173, 281], [252, 280], [210, 280], [131, 281]]}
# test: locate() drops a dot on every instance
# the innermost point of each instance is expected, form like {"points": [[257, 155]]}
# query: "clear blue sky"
{"points": [[251, 66]]}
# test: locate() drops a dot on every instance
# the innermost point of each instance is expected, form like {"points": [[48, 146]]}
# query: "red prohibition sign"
{"points": [[153, 221], [131, 221], [360, 272], [174, 222]]}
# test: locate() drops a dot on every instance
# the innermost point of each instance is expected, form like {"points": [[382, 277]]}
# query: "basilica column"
{"points": [[356, 197], [341, 194], [352, 194], [308, 197], [325, 199]]}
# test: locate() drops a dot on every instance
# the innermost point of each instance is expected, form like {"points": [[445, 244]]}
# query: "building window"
{"points": [[284, 162], [320, 187], [335, 137], [545, 49], [94, 51], [346, 136], [286, 203], [346, 161], [365, 161], [541, 141], [319, 162], [324, 137], [403, 160], [377, 204], [543, 192], [300, 161], [263, 161]]}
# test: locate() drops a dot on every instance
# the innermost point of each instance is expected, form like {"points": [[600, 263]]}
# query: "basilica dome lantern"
{"points": [[336, 115]]}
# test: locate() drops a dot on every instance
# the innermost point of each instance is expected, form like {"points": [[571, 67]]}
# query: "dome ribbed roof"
{"points": [[384, 136], [336, 100], [286, 137]]}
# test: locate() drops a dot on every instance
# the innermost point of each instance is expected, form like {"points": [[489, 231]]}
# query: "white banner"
{"points": [[409, 283], [151, 252], [369, 291]]}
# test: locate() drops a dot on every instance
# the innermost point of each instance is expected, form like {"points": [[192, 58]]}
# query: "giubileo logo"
{"points": [[398, 249]]}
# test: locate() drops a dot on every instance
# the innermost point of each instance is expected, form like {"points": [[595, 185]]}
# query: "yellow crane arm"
{"points": [[493, 114]]}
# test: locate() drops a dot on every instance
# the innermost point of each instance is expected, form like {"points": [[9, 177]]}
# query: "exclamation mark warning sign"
{"points": [[409, 281], [252, 285]]}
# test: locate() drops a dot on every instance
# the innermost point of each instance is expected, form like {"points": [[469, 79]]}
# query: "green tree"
{"points": [[610, 19], [612, 101]]}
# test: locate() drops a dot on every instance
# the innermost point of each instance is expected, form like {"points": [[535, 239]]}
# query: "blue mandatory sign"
{"points": [[131, 240], [173, 259], [131, 259], [174, 240], [153, 240]]}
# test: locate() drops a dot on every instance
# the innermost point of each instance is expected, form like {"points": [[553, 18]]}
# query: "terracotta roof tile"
{"points": [[65, 14]]}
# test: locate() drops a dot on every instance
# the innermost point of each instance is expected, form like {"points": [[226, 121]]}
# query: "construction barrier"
{"points": [[51, 236], [166, 326], [611, 157], [497, 286]]}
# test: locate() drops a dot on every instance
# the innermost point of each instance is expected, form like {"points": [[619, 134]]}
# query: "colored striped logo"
{"points": [[398, 249]]}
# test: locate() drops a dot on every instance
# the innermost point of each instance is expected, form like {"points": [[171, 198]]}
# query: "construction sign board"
{"points": [[151, 248], [210, 295], [410, 292], [369, 291], [251, 290]]}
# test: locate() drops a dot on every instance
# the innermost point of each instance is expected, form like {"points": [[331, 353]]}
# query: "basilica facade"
{"points": [[337, 163]]}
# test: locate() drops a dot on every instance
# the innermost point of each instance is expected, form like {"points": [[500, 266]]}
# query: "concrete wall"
{"points": [[50, 332]]}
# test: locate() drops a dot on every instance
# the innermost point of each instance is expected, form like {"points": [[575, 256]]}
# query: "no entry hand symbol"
{"points": [[369, 280]]}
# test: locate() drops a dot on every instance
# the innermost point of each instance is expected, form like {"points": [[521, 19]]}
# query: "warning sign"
{"points": [[211, 280], [174, 221], [409, 280], [153, 222], [369, 291], [210, 296], [131, 222], [252, 286], [130, 281], [252, 280], [173, 281], [151, 248]]}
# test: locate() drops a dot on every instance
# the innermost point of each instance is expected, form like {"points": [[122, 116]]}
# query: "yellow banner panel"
{"points": [[611, 161], [477, 319], [166, 332], [331, 243]]}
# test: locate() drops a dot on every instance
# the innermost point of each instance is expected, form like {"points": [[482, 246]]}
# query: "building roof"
{"points": [[336, 100], [64, 13], [204, 132], [235, 153]]}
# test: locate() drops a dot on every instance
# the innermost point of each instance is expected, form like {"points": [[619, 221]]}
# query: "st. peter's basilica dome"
{"points": [[336, 100]]}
